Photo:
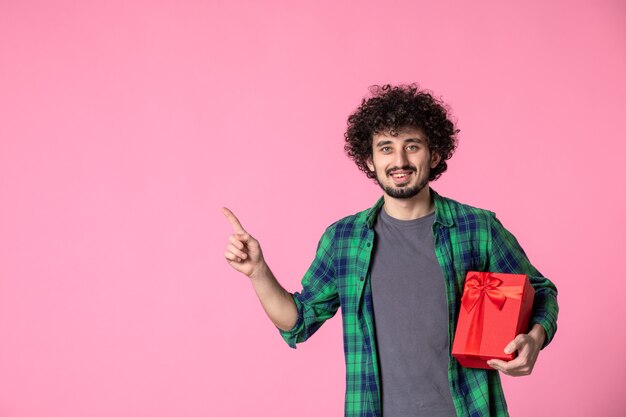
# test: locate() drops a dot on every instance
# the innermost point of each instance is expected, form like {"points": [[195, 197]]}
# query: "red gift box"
{"points": [[495, 308]]}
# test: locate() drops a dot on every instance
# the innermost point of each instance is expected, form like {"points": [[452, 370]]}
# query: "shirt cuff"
{"points": [[291, 336], [548, 324]]}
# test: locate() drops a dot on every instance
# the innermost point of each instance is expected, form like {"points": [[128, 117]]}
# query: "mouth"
{"points": [[400, 177]]}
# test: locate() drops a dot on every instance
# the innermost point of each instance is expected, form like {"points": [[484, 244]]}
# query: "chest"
{"points": [[455, 250]]}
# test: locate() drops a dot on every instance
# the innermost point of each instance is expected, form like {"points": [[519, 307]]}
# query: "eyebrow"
{"points": [[407, 140]]}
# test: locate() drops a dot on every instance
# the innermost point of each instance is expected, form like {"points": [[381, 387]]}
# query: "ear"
{"points": [[370, 164], [435, 158]]}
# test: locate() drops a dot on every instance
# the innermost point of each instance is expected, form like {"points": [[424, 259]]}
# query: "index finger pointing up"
{"points": [[234, 221]]}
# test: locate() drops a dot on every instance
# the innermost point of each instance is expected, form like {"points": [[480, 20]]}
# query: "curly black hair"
{"points": [[393, 108]]}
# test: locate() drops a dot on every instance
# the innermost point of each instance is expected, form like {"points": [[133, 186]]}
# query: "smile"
{"points": [[401, 177]]}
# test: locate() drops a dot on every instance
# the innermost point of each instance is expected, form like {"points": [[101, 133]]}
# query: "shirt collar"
{"points": [[442, 211]]}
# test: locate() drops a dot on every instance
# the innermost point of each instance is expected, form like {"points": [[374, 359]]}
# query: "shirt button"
{"points": [[368, 245], [362, 278]]}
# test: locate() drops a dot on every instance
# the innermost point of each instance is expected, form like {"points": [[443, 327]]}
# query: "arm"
{"points": [[244, 254], [506, 255], [319, 298], [277, 302]]}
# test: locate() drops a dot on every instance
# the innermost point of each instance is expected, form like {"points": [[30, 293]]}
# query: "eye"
{"points": [[412, 148], [385, 149]]}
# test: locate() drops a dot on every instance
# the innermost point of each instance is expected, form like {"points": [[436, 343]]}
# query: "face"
{"points": [[402, 163]]}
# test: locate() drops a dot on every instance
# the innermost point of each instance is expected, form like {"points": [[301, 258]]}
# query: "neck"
{"points": [[412, 208]]}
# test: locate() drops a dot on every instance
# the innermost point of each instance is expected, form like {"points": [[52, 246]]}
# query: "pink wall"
{"points": [[126, 125]]}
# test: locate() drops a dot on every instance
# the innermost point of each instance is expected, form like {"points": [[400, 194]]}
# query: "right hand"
{"points": [[243, 252]]}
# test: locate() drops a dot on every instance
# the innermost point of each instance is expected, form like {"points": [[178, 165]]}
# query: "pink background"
{"points": [[126, 125]]}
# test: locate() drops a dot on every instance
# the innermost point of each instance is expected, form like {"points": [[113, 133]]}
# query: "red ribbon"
{"points": [[478, 286]]}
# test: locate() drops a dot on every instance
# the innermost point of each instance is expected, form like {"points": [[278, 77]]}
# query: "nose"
{"points": [[401, 159]]}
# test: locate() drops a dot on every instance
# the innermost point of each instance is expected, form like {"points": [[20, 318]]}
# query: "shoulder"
{"points": [[466, 209], [349, 226], [462, 214]]}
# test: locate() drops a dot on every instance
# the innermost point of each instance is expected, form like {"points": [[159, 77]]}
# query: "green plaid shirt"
{"points": [[466, 238]]}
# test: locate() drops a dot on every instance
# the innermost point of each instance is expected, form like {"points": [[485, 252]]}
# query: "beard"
{"points": [[404, 192]]}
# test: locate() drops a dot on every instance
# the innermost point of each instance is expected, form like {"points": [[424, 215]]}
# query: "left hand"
{"points": [[527, 347]]}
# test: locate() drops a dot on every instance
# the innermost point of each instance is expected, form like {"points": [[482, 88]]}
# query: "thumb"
{"points": [[514, 345]]}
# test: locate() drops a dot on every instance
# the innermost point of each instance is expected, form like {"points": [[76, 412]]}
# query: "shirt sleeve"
{"points": [[506, 255], [318, 300]]}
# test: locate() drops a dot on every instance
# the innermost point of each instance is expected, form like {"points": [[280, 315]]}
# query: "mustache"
{"points": [[404, 168]]}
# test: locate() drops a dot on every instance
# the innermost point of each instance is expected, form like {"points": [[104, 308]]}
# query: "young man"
{"points": [[397, 271]]}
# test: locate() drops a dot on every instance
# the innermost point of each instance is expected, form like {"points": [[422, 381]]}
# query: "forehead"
{"points": [[399, 135]]}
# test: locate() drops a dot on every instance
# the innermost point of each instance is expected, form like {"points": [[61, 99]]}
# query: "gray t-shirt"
{"points": [[411, 319]]}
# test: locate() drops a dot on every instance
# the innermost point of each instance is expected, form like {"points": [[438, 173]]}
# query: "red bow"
{"points": [[479, 285]]}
